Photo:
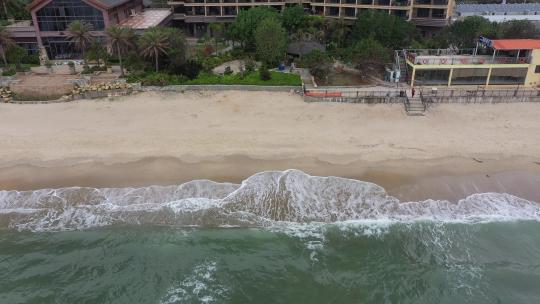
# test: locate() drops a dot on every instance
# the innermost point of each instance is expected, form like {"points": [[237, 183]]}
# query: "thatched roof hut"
{"points": [[300, 48]]}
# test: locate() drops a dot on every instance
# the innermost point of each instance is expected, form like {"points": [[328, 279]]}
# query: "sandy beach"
{"points": [[167, 138]]}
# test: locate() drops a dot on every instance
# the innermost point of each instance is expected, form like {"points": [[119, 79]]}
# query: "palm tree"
{"points": [[154, 43], [80, 34], [5, 42], [120, 39], [217, 30]]}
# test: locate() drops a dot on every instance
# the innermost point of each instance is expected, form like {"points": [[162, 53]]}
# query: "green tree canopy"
{"points": [[97, 52], [518, 29], [154, 43], [6, 41], [318, 63], [80, 35], [294, 18], [120, 40], [270, 40], [389, 30], [15, 55], [368, 52], [243, 28], [464, 33], [337, 32]]}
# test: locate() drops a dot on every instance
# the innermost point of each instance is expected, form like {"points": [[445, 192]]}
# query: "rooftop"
{"points": [[516, 8], [105, 4], [147, 18], [516, 44]]}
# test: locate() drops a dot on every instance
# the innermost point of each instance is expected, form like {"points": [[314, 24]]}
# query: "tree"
{"points": [[154, 43], [294, 18], [518, 29], [264, 74], [16, 54], [389, 30], [318, 63], [368, 53], [6, 41], [464, 33], [80, 35], [14, 9], [217, 32], [243, 28], [120, 40], [337, 31], [97, 52], [176, 53], [271, 41]]}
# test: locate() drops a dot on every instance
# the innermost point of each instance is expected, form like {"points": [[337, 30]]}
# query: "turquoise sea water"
{"points": [[355, 263], [280, 237]]}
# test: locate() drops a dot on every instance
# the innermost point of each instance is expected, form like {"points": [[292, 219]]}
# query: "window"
{"points": [[508, 76], [537, 69], [57, 15]]}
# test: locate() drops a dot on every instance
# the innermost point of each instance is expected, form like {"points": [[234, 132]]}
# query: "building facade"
{"points": [[494, 63], [47, 31], [499, 12], [195, 15]]}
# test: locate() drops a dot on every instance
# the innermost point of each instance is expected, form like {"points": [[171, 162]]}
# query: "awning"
{"points": [[516, 44]]}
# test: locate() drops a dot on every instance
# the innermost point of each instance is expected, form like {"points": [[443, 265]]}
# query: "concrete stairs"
{"points": [[414, 106]]}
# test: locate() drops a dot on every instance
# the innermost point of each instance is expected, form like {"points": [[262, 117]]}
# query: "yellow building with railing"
{"points": [[493, 63]]}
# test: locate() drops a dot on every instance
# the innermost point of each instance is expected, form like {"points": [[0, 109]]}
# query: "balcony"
{"points": [[440, 2], [382, 2], [401, 3], [459, 57]]}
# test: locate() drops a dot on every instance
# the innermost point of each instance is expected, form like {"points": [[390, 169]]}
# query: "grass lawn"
{"points": [[160, 79], [277, 79]]}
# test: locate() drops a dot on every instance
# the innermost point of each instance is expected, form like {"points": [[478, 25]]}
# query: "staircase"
{"points": [[400, 65], [414, 106]]}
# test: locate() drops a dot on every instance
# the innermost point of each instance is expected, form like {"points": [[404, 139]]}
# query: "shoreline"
{"points": [[408, 180]]}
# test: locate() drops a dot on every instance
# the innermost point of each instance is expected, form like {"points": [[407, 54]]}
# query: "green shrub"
{"points": [[9, 72], [71, 64], [157, 79], [264, 74], [250, 65], [32, 59], [91, 70], [190, 69]]}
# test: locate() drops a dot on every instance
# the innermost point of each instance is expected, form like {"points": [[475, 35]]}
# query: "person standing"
{"points": [[412, 92]]}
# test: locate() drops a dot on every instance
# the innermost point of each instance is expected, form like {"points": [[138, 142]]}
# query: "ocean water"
{"points": [[279, 237]]}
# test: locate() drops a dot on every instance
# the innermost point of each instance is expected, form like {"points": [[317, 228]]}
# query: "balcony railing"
{"points": [[465, 60]]}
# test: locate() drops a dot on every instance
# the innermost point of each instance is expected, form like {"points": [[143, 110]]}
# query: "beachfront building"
{"points": [[46, 31], [509, 62], [196, 15], [500, 12]]}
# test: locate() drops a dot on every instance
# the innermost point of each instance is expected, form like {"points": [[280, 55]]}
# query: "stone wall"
{"points": [[217, 87]]}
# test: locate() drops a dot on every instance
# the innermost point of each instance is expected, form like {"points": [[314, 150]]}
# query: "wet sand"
{"points": [[409, 180]]}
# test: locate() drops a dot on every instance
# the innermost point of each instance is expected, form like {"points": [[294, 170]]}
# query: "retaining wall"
{"points": [[361, 99], [219, 87]]}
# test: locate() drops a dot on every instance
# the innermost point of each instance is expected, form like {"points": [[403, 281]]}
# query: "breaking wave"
{"points": [[266, 199]]}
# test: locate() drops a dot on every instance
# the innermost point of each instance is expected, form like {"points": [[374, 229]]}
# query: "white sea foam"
{"points": [[290, 199], [201, 286]]}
